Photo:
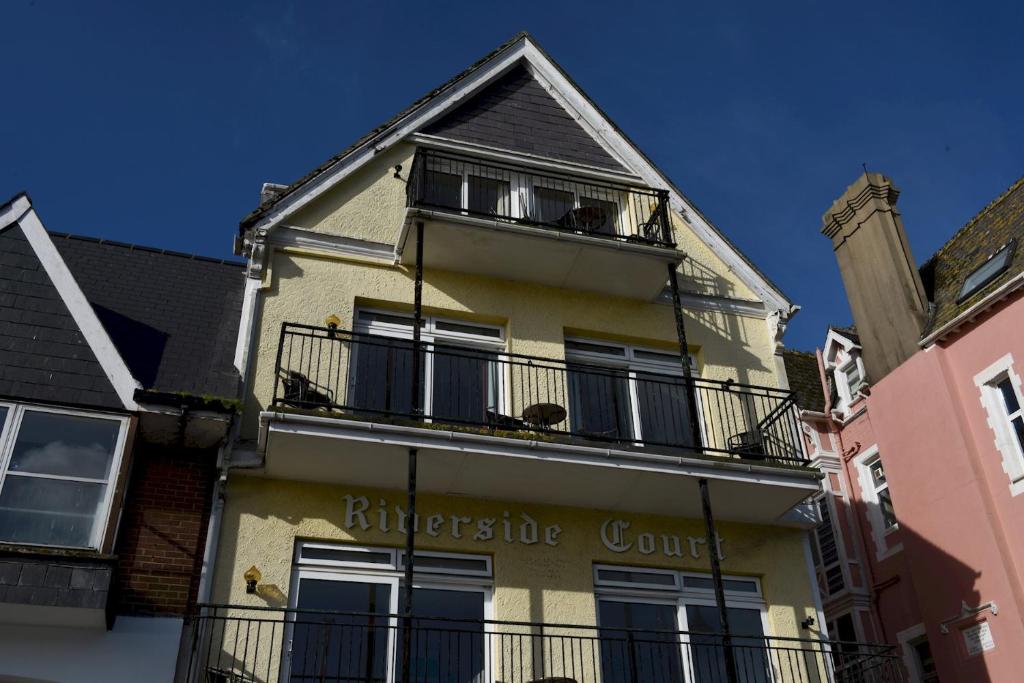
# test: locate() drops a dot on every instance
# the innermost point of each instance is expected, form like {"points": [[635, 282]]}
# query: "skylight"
{"points": [[988, 271]]}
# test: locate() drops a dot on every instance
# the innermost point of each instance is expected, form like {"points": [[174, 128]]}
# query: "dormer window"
{"points": [[854, 378]]}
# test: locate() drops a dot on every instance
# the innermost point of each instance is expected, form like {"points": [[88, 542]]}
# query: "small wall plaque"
{"points": [[978, 638]]}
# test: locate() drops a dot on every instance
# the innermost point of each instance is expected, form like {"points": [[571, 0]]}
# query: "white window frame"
{"points": [[999, 421], [848, 394], [9, 437], [431, 334], [462, 167], [869, 494], [828, 499], [432, 578], [679, 597], [629, 362]]}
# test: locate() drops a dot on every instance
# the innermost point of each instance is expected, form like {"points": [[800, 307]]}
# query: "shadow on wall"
{"points": [[924, 584]]}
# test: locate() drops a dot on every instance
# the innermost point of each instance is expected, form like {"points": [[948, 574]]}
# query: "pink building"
{"points": [[915, 416]]}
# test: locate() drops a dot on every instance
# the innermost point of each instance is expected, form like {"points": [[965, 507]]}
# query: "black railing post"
{"points": [[634, 676], [417, 302], [277, 362], [410, 546], [684, 351], [716, 579], [666, 223]]}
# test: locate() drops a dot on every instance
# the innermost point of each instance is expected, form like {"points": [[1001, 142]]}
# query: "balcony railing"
{"points": [[261, 645], [511, 194], [361, 376]]}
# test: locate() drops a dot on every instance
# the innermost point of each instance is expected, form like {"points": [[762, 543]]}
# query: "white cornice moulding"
{"points": [[288, 236]]}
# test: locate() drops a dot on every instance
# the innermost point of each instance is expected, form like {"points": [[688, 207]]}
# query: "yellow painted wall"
{"points": [[263, 518]]}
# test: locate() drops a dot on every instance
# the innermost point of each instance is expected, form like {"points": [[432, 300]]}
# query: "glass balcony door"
{"points": [[462, 376], [628, 394]]}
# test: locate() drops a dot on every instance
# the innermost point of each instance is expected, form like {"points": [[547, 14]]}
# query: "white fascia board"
{"points": [[355, 160], [81, 310], [588, 116], [631, 157]]}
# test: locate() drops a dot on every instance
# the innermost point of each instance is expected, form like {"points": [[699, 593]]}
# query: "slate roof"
{"points": [[944, 273], [174, 317], [516, 113], [43, 354], [804, 379], [848, 331]]}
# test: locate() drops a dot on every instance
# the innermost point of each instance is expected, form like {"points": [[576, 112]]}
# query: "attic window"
{"points": [[988, 271]]}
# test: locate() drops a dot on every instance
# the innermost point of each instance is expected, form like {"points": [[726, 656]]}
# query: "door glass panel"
{"points": [[49, 511], [465, 385], [599, 403], [707, 653], [340, 647], [664, 410], [443, 190], [381, 379], [650, 654], [65, 445], [604, 217], [553, 206], [489, 196], [448, 637]]}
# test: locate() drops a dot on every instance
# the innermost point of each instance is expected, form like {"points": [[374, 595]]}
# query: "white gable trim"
{"points": [[834, 340], [589, 118], [81, 310]]}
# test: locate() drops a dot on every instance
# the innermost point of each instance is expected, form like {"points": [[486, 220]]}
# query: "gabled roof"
{"points": [[97, 323], [521, 51], [804, 379], [944, 273], [174, 317]]}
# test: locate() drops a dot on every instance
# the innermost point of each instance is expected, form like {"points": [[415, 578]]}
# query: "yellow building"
{"points": [[478, 312]]}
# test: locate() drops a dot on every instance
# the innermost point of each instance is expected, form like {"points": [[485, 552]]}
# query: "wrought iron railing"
{"points": [[230, 644], [513, 194], [371, 377]]}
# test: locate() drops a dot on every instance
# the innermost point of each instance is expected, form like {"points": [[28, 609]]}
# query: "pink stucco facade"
{"points": [[959, 535]]}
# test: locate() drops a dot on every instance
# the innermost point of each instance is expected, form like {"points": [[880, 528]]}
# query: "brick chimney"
{"points": [[882, 282]]}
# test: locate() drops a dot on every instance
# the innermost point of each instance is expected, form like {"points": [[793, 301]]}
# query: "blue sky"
{"points": [[156, 123]]}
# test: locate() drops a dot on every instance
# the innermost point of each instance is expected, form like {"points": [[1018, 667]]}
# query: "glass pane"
{"points": [[599, 403], [448, 647], [3, 417], [1009, 396], [626, 576], [381, 378], [664, 410], [49, 511], [552, 206], [591, 347], [877, 473], [885, 504], [986, 273], [650, 653], [601, 219], [338, 646], [469, 328], [1018, 428], [65, 445], [344, 555], [748, 644], [443, 190], [489, 196], [465, 385], [449, 564], [730, 585]]}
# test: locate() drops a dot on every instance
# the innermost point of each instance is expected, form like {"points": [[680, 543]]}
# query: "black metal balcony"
{"points": [[259, 645], [511, 194], [359, 376]]}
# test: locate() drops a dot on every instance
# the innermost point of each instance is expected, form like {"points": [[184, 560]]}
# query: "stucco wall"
{"points": [[263, 518]]}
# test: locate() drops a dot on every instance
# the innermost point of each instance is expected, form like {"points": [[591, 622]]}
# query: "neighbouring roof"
{"points": [[944, 273], [44, 355], [804, 379], [173, 317]]}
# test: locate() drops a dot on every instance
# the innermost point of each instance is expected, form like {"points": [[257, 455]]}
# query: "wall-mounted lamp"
{"points": [[807, 623], [252, 577], [332, 321]]}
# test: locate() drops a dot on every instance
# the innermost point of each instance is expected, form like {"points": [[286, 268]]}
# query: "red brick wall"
{"points": [[163, 529]]}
